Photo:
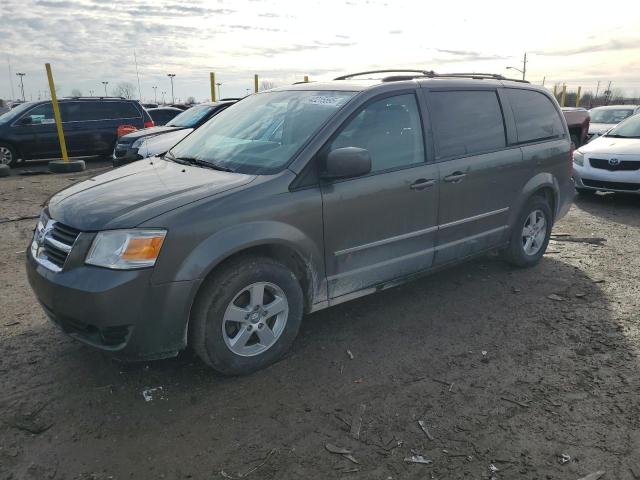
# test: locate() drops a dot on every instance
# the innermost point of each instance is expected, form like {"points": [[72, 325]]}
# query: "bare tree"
{"points": [[76, 92], [267, 85], [124, 89]]}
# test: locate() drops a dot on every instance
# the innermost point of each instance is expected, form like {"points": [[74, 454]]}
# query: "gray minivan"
{"points": [[295, 200]]}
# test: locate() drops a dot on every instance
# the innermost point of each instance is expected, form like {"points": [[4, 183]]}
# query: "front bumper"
{"points": [[589, 178], [120, 312]]}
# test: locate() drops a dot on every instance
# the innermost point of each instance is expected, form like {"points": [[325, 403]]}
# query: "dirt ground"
{"points": [[500, 373]]}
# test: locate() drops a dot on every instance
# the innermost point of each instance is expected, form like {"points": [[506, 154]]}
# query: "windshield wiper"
{"points": [[202, 163]]}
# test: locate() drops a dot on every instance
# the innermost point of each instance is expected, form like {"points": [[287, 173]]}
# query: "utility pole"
{"points": [[163, 94], [219, 85], [543, 79], [13, 97], [155, 94], [105, 88], [91, 92], [524, 66], [171, 75], [21, 75], [135, 59]]}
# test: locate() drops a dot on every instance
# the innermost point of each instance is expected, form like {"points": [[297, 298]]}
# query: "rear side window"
{"points": [[467, 122], [536, 117], [88, 111], [43, 113]]}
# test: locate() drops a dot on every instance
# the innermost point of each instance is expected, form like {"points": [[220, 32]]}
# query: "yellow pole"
{"points": [[56, 113], [306, 78], [255, 83], [564, 94], [555, 91], [212, 79], [578, 97]]}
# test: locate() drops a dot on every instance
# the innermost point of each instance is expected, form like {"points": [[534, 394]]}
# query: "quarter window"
{"points": [[467, 122], [389, 129], [536, 117]]}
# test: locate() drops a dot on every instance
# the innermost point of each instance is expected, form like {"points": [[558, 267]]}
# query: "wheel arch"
{"points": [[544, 185]]}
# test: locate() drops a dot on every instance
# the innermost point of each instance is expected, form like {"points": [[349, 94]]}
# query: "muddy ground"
{"points": [[500, 373]]}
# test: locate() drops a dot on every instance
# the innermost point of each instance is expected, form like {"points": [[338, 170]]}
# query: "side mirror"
{"points": [[347, 162], [25, 121]]}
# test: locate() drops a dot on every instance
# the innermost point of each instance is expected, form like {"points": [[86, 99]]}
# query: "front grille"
{"points": [[624, 165], [52, 245], [631, 187]]}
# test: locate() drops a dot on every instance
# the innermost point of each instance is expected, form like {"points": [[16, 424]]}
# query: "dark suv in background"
{"points": [[297, 199], [90, 127]]}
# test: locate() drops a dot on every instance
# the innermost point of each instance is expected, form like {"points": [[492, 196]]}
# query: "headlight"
{"points": [[138, 142], [126, 249], [578, 158]]}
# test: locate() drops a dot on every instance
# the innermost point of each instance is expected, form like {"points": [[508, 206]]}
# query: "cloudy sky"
{"points": [[90, 41]]}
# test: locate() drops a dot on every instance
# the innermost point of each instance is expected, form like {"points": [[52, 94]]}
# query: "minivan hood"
{"points": [[146, 132], [612, 145], [127, 196]]}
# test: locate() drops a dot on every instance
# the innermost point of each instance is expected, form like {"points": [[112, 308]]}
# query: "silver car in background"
{"points": [[605, 118]]}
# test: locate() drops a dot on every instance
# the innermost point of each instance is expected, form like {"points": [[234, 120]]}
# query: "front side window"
{"points": [[43, 113], [261, 134], [536, 117], [467, 122], [389, 129]]}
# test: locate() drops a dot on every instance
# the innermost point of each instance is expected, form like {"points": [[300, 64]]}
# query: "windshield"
{"points": [[260, 134], [630, 128], [609, 115], [15, 112], [190, 118]]}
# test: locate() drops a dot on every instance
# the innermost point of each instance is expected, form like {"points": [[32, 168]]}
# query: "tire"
{"points": [[226, 293], [71, 166], [8, 155], [516, 253]]}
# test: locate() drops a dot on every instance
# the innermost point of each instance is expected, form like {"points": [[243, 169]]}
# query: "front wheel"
{"points": [[7, 155], [530, 234], [246, 316]]}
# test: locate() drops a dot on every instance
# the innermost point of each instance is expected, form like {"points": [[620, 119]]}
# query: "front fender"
{"points": [[225, 243]]}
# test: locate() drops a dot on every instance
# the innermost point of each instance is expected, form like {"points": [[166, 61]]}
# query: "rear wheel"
{"points": [[8, 155], [530, 234], [246, 316]]}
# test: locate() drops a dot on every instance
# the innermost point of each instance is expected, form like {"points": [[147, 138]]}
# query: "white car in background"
{"points": [[610, 163], [607, 117]]}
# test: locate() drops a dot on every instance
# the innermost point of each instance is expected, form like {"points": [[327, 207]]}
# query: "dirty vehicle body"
{"points": [[578, 120], [605, 118], [611, 162], [90, 127], [157, 140], [297, 199]]}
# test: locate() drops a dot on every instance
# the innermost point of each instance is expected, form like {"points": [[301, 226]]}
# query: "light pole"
{"points": [[91, 92], [219, 85], [248, 91], [523, 71], [105, 88], [21, 75], [155, 94], [171, 75], [163, 94]]}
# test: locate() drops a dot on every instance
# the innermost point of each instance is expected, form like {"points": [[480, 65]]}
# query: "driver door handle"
{"points": [[454, 177], [422, 183]]}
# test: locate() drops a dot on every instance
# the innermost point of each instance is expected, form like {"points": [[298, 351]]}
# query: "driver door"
{"points": [[381, 226]]}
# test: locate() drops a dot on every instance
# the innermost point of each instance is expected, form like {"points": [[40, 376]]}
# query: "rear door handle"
{"points": [[422, 183], [454, 177]]}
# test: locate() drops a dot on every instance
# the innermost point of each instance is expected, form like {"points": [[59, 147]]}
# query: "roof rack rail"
{"points": [[101, 97], [430, 74], [403, 70]]}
